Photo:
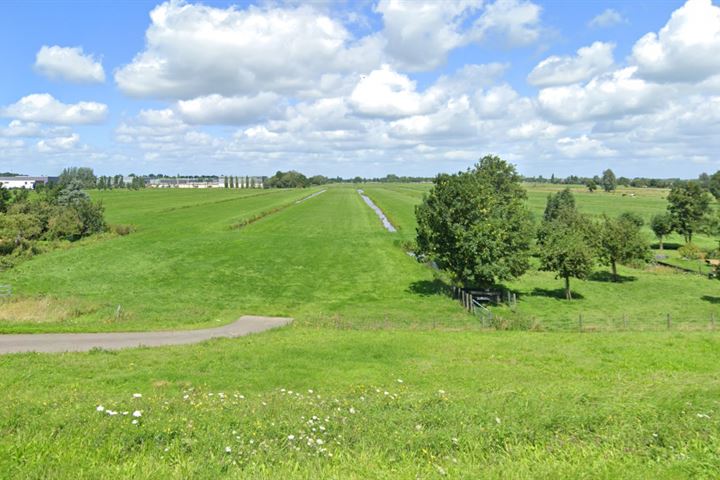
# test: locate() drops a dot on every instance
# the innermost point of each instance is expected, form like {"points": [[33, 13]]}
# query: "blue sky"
{"points": [[360, 88]]}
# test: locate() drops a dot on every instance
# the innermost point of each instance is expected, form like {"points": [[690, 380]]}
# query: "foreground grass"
{"points": [[383, 404]]}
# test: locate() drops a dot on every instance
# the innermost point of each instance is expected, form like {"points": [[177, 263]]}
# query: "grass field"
{"points": [[381, 375]]}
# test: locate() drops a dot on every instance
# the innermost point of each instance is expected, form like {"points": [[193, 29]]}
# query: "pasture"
{"points": [[381, 375]]}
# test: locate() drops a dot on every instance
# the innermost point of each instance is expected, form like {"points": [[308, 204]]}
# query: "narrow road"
{"points": [[82, 342]]}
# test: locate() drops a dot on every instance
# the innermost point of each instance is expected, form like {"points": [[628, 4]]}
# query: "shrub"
{"points": [[690, 251], [122, 230]]}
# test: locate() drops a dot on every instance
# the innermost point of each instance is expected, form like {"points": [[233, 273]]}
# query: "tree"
{"points": [[566, 247], [609, 182], [713, 184], [662, 225], [84, 175], [688, 205], [564, 199], [290, 179], [237, 182], [591, 185], [226, 181], [475, 224], [621, 241], [633, 218]]}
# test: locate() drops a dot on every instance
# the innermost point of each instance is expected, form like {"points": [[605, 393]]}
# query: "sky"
{"points": [[366, 87]]}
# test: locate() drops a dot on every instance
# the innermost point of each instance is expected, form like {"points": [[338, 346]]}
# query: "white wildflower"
{"points": [[137, 395], [228, 449], [352, 410], [291, 437], [137, 413], [134, 422], [497, 420], [100, 408], [399, 380], [319, 441]]}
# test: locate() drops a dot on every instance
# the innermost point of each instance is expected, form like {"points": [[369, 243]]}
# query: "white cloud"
{"points": [[608, 18], [513, 22], [420, 33], [194, 50], [69, 63], [216, 109], [583, 146], [686, 49], [44, 108], [386, 93], [17, 128], [58, 144], [610, 95], [589, 62]]}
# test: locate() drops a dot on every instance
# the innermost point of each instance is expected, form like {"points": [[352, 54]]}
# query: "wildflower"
{"points": [[497, 420], [386, 392], [322, 429], [134, 422], [137, 413], [319, 441], [137, 395], [242, 397], [352, 410], [185, 397], [310, 391], [291, 437], [441, 392], [111, 412], [100, 408], [399, 380], [418, 427], [228, 449]]}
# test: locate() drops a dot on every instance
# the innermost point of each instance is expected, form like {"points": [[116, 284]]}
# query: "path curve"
{"points": [[82, 342]]}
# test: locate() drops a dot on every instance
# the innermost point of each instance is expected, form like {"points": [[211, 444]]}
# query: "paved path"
{"points": [[81, 342]]}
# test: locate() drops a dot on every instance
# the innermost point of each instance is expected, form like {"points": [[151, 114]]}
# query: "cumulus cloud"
{"points": [[513, 22], [685, 49], [386, 93], [419, 34], [195, 50], [614, 94], [44, 108], [69, 63], [587, 63], [58, 144], [608, 18], [216, 109]]}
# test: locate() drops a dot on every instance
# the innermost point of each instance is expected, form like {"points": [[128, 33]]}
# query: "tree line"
{"points": [[28, 222], [476, 226]]}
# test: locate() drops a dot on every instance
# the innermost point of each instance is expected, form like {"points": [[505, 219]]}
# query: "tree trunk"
{"points": [[568, 294], [661, 243], [614, 270]]}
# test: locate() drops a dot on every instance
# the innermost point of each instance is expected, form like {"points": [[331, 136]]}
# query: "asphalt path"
{"points": [[82, 342]]}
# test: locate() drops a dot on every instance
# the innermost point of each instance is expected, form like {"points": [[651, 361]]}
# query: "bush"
{"points": [[122, 230], [690, 251]]}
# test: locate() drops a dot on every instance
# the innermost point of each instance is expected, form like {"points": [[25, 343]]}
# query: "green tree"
{"points": [[609, 182], [633, 218], [591, 185], [688, 205], [566, 247], [237, 183], [558, 202], [226, 181], [475, 224], [713, 184], [84, 175], [621, 241], [661, 225]]}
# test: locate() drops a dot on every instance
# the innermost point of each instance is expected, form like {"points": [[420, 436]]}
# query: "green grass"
{"points": [[470, 405], [323, 260]]}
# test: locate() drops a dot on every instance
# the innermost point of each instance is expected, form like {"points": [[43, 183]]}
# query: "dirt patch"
{"points": [[42, 309]]}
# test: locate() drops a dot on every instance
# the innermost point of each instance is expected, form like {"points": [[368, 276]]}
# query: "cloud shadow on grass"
{"points": [[557, 293], [606, 276]]}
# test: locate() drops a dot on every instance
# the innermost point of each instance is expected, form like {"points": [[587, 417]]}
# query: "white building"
{"points": [[23, 181]]}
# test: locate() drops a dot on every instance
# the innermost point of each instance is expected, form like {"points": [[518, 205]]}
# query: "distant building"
{"points": [[186, 182], [25, 182]]}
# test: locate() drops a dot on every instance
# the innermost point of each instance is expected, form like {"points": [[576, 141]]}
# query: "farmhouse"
{"points": [[204, 182], [24, 181]]}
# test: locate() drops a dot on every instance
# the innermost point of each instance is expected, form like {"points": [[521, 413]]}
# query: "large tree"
{"points": [[476, 225], [688, 205], [566, 247], [85, 176], [621, 241], [609, 182], [662, 226], [558, 202]]}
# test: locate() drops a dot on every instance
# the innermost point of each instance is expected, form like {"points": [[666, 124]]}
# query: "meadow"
{"points": [[381, 375]]}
